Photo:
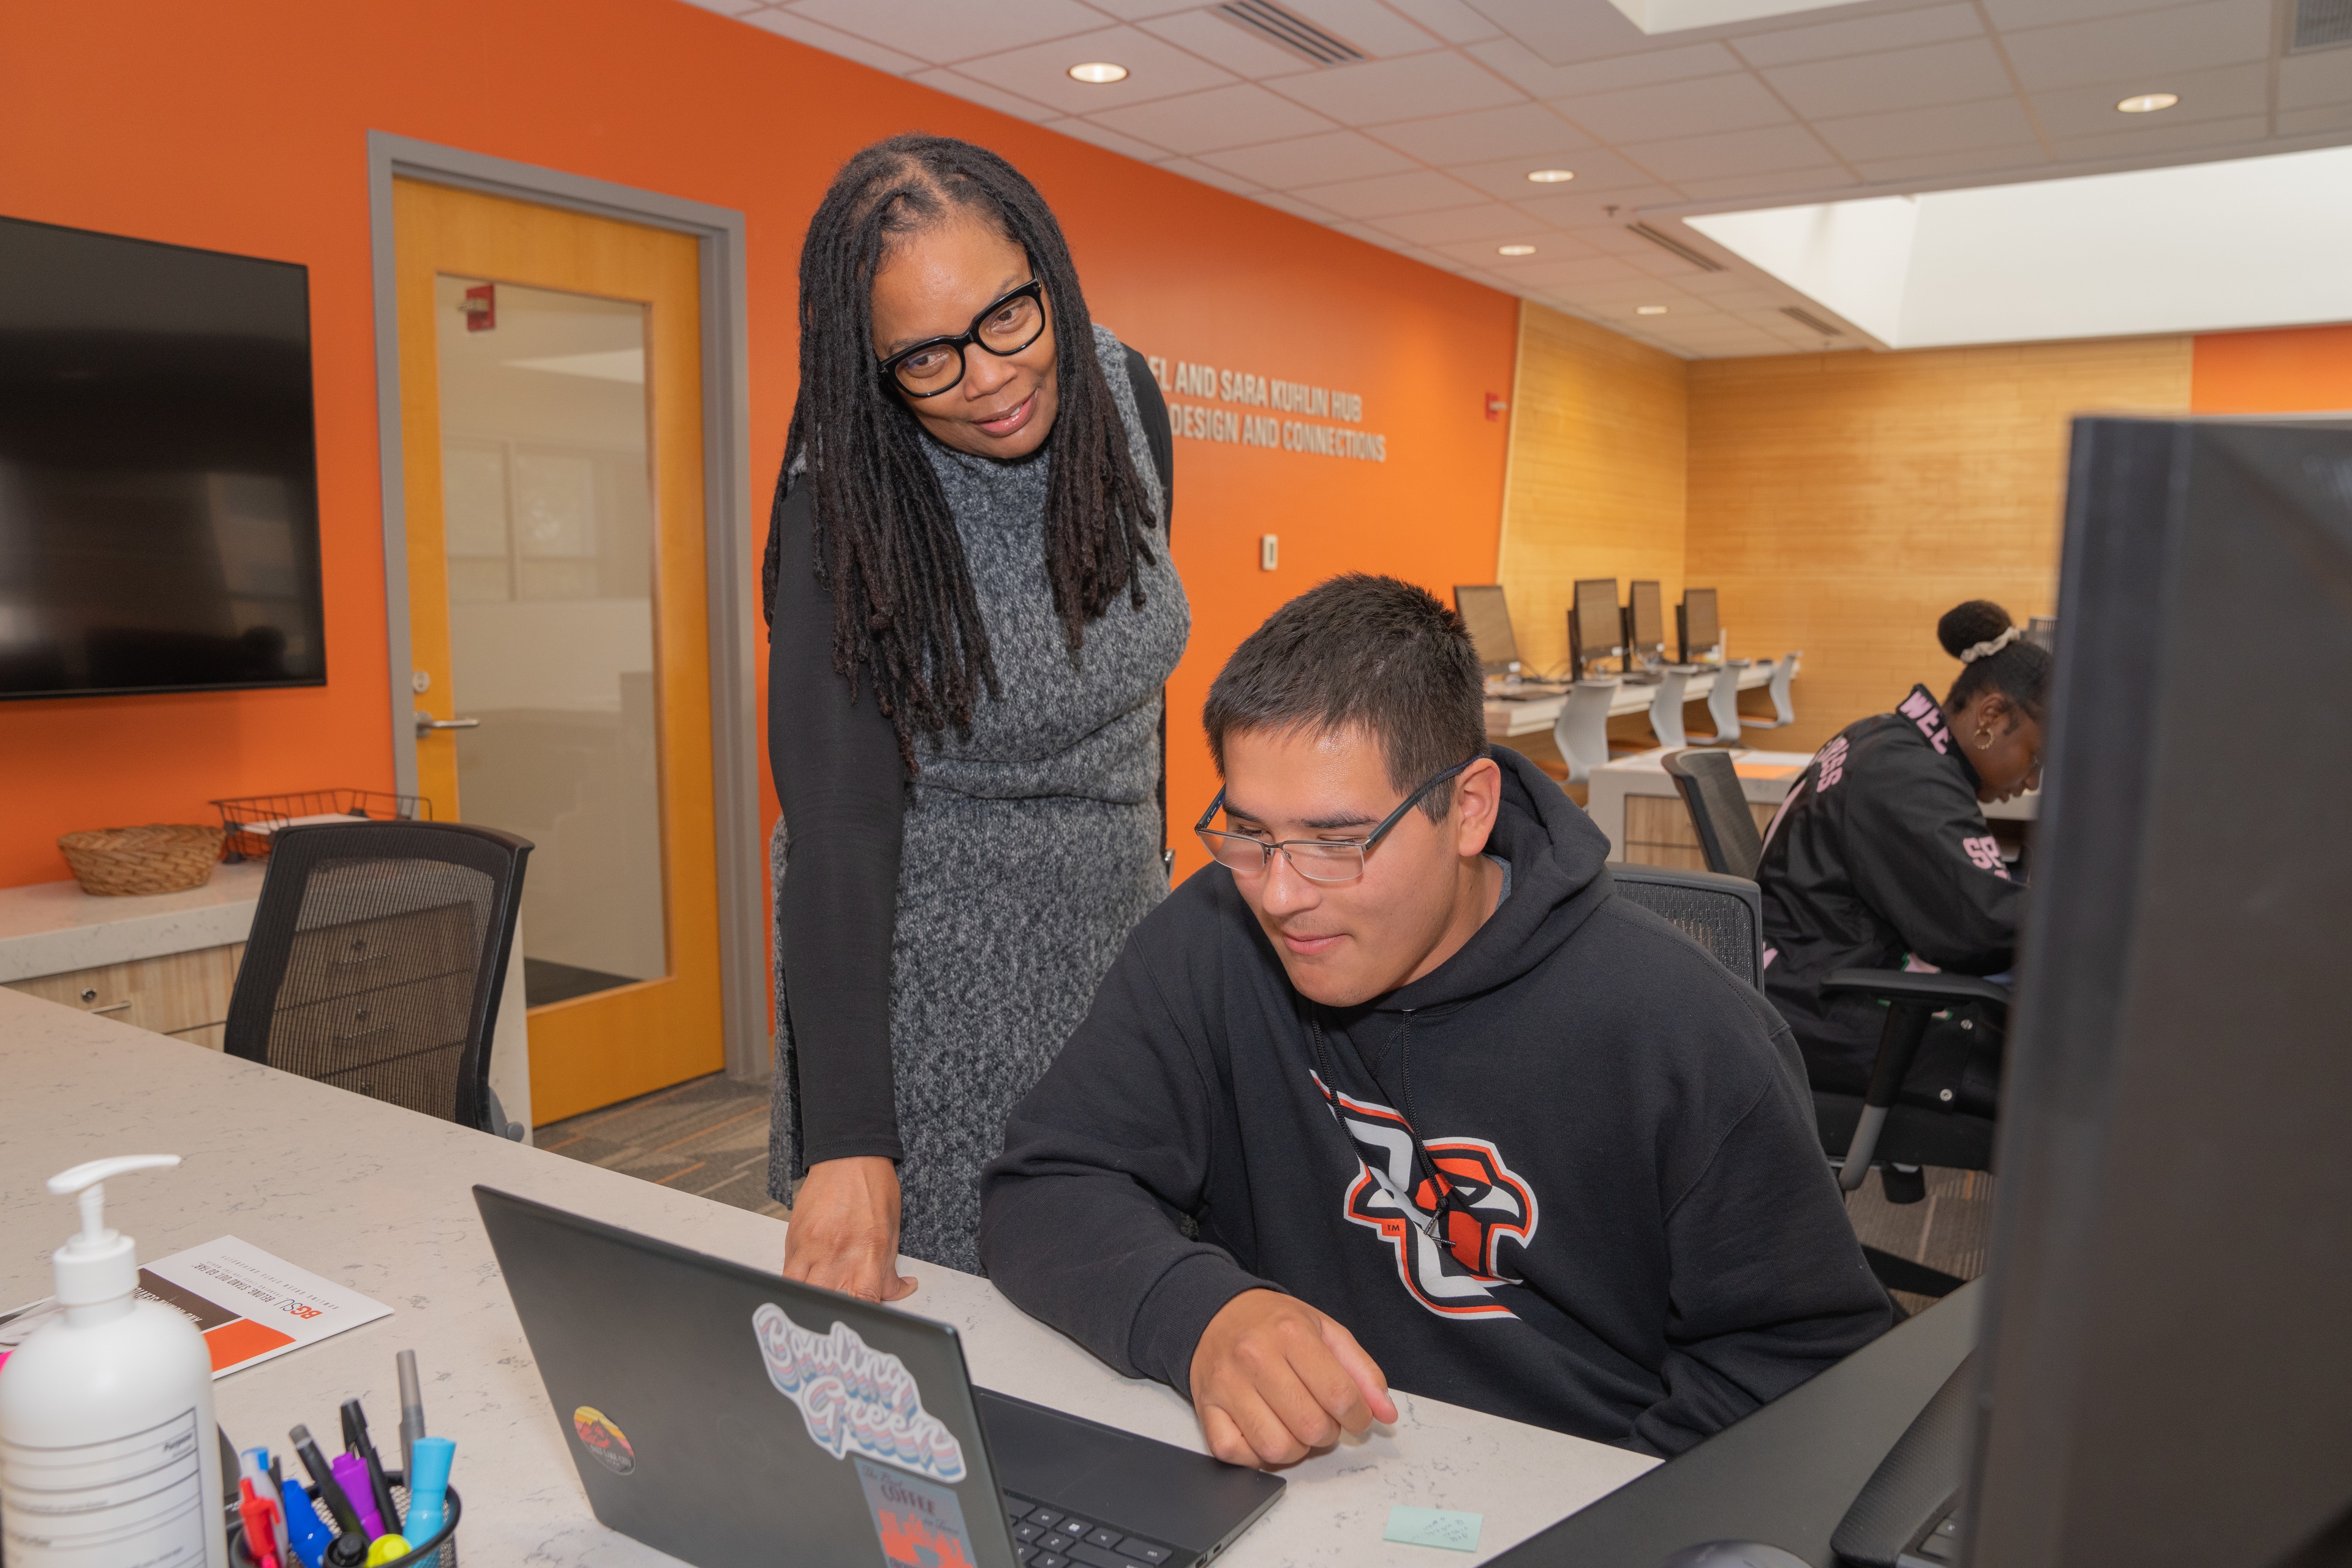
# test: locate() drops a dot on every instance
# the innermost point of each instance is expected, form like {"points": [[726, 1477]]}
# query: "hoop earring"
{"points": [[1984, 737]]}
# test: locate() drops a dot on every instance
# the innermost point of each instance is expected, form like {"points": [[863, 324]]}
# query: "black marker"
{"points": [[347, 1518], [355, 1441]]}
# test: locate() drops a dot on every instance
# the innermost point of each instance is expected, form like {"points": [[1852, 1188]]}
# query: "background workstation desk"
{"points": [[380, 1199], [1534, 715]]}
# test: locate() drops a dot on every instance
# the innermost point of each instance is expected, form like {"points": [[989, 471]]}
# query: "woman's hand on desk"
{"points": [[845, 1230], [1273, 1380]]}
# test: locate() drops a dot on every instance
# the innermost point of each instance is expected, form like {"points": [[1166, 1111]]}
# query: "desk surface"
{"points": [[379, 1199], [1534, 713], [51, 928]]}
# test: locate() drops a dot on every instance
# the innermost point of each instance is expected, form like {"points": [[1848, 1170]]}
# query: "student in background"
{"points": [[973, 611], [1880, 856], [1399, 1089]]}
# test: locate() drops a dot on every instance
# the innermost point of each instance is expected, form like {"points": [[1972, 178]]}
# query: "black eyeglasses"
{"points": [[1004, 329], [1316, 859]]}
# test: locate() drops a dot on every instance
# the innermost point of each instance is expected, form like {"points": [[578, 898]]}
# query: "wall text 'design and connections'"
{"points": [[1199, 422]]}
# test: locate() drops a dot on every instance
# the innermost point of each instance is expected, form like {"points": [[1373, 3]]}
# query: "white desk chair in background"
{"points": [[1581, 730], [1723, 705], [1784, 707], [1666, 708]]}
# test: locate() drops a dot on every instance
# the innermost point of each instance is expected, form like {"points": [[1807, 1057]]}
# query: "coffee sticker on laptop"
{"points": [[854, 1396], [917, 1523]]}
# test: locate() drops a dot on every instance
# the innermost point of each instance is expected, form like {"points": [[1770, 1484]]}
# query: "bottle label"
{"points": [[135, 1502]]}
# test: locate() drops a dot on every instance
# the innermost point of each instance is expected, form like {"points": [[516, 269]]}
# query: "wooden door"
{"points": [[551, 403]]}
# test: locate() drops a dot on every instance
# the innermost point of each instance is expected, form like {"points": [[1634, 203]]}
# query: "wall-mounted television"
{"points": [[159, 489]]}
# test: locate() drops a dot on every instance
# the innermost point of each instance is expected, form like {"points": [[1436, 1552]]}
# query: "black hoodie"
{"points": [[1644, 1242]]}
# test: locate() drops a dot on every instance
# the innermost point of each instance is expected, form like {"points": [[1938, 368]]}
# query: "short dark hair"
{"points": [[2018, 670], [1362, 651]]}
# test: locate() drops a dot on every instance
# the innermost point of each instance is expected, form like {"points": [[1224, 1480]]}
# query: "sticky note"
{"points": [[1435, 1527]]}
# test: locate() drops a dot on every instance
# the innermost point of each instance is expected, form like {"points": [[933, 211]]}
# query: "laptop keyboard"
{"points": [[1044, 1536]]}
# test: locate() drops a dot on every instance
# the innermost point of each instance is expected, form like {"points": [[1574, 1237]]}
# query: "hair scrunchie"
{"points": [[1986, 649]]}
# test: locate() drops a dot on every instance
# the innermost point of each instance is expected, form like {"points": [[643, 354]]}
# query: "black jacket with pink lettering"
{"points": [[1879, 853]]}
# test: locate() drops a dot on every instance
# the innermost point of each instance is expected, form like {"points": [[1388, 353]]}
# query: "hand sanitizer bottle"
{"points": [[107, 1445]]}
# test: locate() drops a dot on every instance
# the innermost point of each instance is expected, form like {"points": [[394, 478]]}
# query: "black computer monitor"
{"points": [[1488, 618], [1595, 629], [1645, 619], [1695, 627]]}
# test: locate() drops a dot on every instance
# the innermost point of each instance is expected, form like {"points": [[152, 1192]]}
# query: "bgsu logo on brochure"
{"points": [[855, 1397]]}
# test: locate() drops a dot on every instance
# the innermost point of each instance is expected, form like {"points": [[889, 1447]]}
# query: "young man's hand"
{"points": [[1273, 1379], [845, 1230]]}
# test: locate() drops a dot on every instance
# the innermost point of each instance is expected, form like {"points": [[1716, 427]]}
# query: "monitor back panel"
{"points": [[1701, 630], [2170, 1365], [1488, 618], [1649, 614], [654, 1359], [1600, 627]]}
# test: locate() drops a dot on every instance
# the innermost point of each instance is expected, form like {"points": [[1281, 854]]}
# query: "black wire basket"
{"points": [[441, 1552], [251, 820]]}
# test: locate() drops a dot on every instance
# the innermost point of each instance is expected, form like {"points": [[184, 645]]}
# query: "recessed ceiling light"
{"points": [[1515, 250], [1648, 310], [1099, 72], [1550, 176], [2148, 102]]}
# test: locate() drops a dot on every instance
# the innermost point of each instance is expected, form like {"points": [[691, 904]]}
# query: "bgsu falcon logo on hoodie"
{"points": [[1447, 1261]]}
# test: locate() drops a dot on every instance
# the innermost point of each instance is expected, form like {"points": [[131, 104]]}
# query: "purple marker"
{"points": [[350, 1474]]}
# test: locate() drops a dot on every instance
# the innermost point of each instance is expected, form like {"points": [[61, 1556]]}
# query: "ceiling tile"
{"points": [[1564, 30], [1949, 128], [1634, 291], [1550, 248], [1104, 137], [943, 33], [2025, 158], [1312, 160], [1596, 169], [1294, 207], [1824, 179], [2303, 80], [1440, 83], [1241, 50], [1828, 40], [1193, 169], [950, 81], [1900, 78], [1515, 131], [1205, 121], [2184, 37], [1042, 71], [834, 41], [1575, 207], [1545, 79], [2313, 122], [1423, 190], [1453, 20], [1492, 221], [1733, 152], [729, 7], [2154, 138], [1366, 24], [1676, 108], [2009, 13], [1141, 10], [2225, 93]]}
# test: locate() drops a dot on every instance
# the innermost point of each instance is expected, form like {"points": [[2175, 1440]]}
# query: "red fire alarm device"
{"points": [[480, 307], [1495, 407]]}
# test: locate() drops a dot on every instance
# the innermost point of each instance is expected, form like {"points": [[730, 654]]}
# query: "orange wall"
{"points": [[241, 126], [2299, 370]]}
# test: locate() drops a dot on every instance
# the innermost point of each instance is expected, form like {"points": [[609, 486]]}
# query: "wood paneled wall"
{"points": [[1840, 502], [1596, 482]]}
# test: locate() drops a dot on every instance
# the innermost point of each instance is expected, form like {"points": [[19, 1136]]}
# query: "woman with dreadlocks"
{"points": [[973, 613]]}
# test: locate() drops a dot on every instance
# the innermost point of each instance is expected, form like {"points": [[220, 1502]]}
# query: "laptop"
{"points": [[727, 1415]]}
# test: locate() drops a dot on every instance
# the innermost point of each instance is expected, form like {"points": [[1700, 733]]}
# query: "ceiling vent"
{"points": [[2321, 24], [1667, 242], [1811, 323], [1296, 34]]}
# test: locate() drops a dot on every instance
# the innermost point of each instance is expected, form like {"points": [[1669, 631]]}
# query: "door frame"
{"points": [[744, 935]]}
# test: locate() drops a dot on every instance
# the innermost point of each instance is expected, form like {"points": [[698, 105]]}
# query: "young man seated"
{"points": [[1398, 1089]]}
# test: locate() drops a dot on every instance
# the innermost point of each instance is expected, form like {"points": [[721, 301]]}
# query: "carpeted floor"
{"points": [[707, 1136], [711, 1136]]}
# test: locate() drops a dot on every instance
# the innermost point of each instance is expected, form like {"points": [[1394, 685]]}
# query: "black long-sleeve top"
{"points": [[843, 788]]}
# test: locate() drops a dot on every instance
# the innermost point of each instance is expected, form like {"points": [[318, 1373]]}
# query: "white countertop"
{"points": [[379, 1199], [53, 927]]}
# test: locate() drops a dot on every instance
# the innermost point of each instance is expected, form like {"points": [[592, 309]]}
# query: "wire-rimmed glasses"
{"points": [[1316, 859], [1004, 329]]}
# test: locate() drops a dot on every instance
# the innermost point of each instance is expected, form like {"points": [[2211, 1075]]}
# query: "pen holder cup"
{"points": [[441, 1552]]}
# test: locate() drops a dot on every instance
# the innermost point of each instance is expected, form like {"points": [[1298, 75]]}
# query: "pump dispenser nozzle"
{"points": [[98, 1264]]}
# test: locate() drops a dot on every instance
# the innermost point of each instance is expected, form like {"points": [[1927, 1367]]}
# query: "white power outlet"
{"points": [[1269, 551]]}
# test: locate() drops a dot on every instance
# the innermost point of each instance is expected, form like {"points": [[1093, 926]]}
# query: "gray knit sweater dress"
{"points": [[1031, 847]]}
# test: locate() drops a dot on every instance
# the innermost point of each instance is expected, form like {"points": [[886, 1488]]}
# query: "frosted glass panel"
{"points": [[548, 501]]}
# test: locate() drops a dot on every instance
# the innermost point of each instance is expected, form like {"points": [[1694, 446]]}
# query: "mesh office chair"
{"points": [[377, 959], [1722, 914], [1709, 783]]}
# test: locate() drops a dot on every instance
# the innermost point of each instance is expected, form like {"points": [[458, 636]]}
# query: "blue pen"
{"points": [[427, 1483], [303, 1530]]}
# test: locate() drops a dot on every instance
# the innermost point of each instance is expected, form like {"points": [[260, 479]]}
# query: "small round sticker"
{"points": [[603, 1437]]}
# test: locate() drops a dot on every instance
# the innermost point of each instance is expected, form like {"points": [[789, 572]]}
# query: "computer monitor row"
{"points": [[1597, 627]]}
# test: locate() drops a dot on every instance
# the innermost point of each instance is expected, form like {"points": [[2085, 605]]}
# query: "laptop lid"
{"points": [[727, 1416]]}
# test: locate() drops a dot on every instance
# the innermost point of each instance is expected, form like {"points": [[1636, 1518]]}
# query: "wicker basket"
{"points": [[160, 858]]}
